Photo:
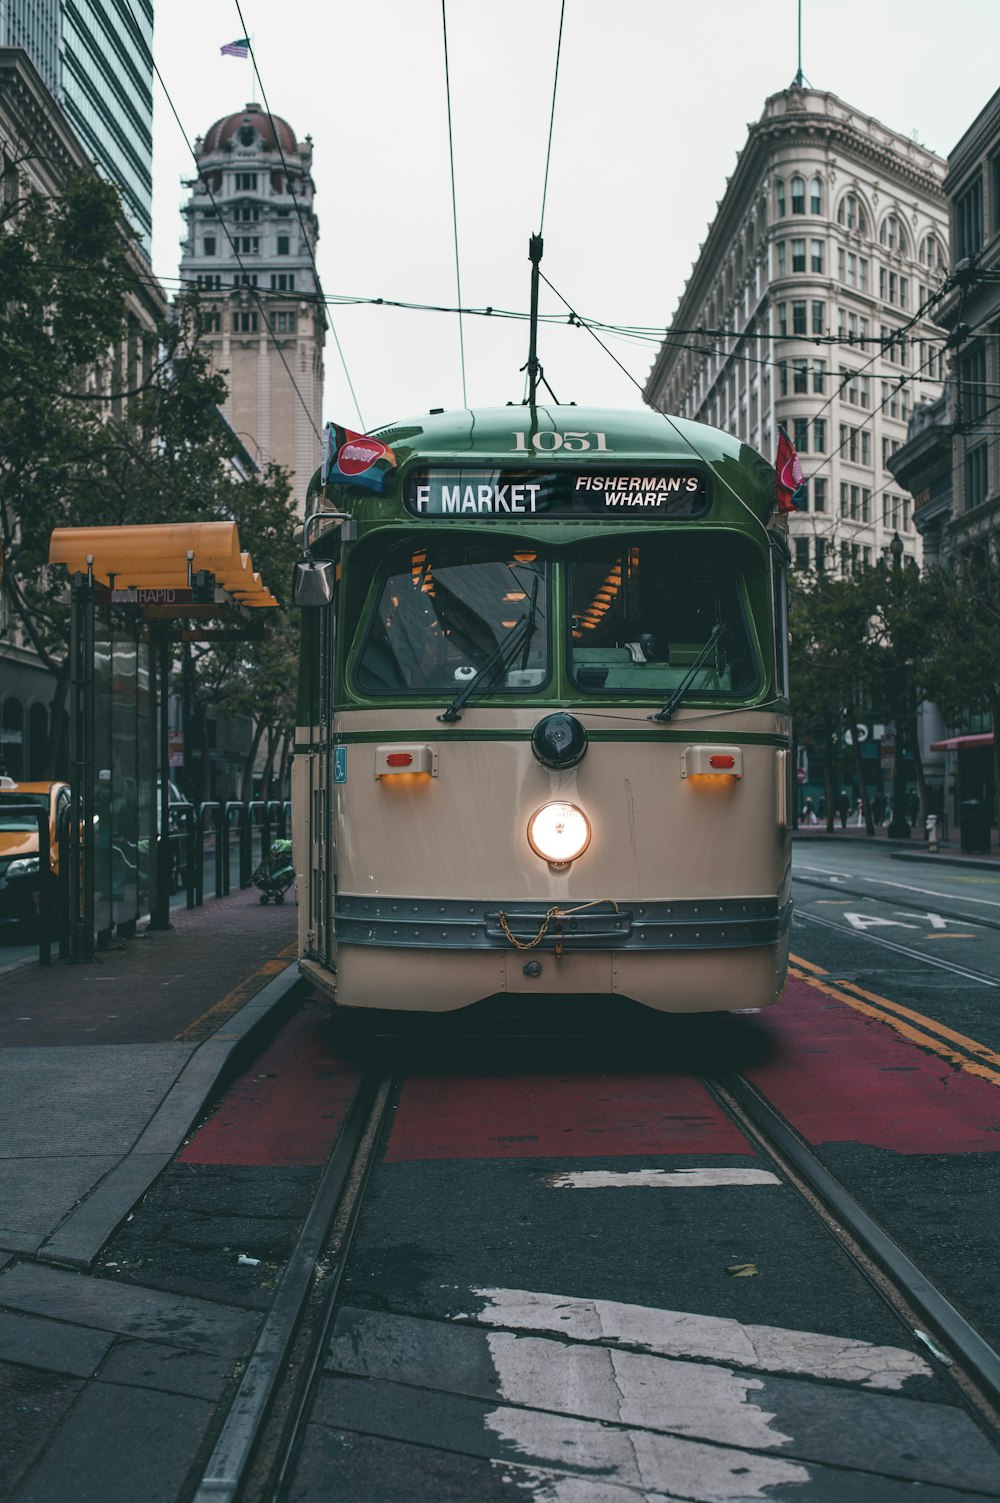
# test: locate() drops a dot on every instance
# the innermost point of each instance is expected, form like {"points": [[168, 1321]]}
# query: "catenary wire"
{"points": [[552, 118], [454, 203]]}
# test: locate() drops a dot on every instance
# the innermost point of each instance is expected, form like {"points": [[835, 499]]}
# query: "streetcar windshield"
{"points": [[445, 608], [642, 610]]}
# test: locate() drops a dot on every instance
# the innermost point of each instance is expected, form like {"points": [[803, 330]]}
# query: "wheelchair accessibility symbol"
{"points": [[340, 764]]}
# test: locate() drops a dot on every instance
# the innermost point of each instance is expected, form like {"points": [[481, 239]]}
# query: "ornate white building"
{"points": [[250, 243], [831, 236]]}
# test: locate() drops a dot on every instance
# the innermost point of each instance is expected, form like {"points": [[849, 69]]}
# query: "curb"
{"points": [[78, 1241]]}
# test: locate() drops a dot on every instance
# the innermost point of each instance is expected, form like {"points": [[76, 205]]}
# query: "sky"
{"points": [[652, 104]]}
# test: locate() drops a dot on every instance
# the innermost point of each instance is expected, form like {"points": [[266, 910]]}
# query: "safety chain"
{"points": [[553, 915]]}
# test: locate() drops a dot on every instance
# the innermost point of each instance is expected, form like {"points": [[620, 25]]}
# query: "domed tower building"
{"points": [[250, 245]]}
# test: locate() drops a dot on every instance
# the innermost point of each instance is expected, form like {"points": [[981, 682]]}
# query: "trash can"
{"points": [[975, 825]]}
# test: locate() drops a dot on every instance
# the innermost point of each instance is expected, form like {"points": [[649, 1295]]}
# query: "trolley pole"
{"points": [[535, 245]]}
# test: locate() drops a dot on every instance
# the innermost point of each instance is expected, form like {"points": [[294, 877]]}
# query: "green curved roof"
{"points": [[487, 435]]}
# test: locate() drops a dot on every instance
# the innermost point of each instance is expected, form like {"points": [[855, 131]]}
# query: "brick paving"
{"points": [[157, 987]]}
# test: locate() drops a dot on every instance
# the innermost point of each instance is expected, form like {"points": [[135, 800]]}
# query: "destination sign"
{"points": [[605, 491]]}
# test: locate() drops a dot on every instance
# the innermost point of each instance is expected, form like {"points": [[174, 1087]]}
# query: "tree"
{"points": [[963, 669], [830, 629], [87, 439]]}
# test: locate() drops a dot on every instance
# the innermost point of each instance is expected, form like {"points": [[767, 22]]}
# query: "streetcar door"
{"points": [[322, 846]]}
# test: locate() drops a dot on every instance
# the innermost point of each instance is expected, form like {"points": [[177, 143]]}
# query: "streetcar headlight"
{"points": [[559, 833]]}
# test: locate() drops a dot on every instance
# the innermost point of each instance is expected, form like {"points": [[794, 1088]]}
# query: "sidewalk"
{"points": [[104, 1068], [949, 852]]}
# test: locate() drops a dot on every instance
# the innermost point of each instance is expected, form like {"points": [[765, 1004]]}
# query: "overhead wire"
{"points": [[251, 290], [552, 117], [298, 211], [454, 204]]}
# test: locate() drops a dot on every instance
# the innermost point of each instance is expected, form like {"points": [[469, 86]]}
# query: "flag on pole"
{"points": [[789, 480], [240, 48], [355, 459]]}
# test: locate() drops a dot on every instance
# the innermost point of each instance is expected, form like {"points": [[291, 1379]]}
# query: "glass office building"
{"points": [[97, 58]]}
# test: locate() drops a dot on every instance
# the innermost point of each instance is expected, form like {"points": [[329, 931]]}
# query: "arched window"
{"points": [[816, 196], [851, 214], [931, 253], [779, 197], [798, 195], [892, 234]]}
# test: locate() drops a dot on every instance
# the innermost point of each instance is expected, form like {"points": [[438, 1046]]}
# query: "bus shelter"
{"points": [[136, 594]]}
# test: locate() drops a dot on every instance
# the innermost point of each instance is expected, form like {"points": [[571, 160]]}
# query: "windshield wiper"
{"points": [[681, 690], [522, 633]]}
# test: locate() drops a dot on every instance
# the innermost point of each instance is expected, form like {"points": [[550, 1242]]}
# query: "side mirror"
{"points": [[314, 583]]}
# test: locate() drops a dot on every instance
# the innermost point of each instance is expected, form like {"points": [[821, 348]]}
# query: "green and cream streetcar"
{"points": [[543, 733]]}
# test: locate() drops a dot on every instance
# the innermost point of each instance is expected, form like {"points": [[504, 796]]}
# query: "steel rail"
{"points": [[971, 1353], [226, 1469], [983, 977]]}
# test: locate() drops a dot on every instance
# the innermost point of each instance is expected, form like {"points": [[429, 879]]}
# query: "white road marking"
{"points": [[677, 1333], [888, 944], [865, 921], [657, 1179], [659, 1466], [924, 892]]}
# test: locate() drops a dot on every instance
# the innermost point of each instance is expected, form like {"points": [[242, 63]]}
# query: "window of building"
{"points": [[851, 214], [245, 279], [801, 553], [819, 376], [852, 269], [819, 493], [247, 214], [246, 182], [816, 255], [210, 281], [800, 376], [841, 264], [783, 378], [247, 245], [819, 435], [209, 245], [844, 495], [782, 310], [798, 195], [820, 555], [972, 385], [892, 235], [798, 255], [782, 258], [865, 391], [244, 323], [799, 325], [866, 504], [967, 219], [283, 241], [779, 197], [866, 446], [818, 317], [976, 473], [283, 281], [210, 323], [801, 435], [284, 323], [816, 196]]}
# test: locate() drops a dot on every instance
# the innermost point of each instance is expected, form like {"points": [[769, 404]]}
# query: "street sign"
{"points": [[801, 775]]}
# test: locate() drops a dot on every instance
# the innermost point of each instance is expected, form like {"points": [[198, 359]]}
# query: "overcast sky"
{"points": [[652, 105]]}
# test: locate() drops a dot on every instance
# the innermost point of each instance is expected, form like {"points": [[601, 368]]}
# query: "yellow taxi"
{"points": [[20, 880]]}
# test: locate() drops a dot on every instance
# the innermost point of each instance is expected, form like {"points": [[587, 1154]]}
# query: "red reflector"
{"points": [[722, 761], [399, 759]]}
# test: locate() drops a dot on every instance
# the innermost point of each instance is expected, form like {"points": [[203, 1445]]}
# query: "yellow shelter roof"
{"points": [[155, 557]]}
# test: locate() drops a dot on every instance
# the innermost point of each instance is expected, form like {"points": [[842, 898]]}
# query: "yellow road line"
{"points": [[940, 934], [230, 1003], [894, 1014]]}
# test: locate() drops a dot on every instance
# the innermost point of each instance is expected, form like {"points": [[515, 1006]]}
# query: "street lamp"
{"points": [[899, 825]]}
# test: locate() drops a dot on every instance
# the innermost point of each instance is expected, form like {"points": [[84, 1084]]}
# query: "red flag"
{"points": [[789, 481]]}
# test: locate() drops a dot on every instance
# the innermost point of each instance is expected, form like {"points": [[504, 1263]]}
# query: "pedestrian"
{"points": [[912, 808], [843, 806], [808, 813]]}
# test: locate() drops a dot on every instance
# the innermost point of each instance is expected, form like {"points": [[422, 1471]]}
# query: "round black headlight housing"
{"points": [[559, 741]]}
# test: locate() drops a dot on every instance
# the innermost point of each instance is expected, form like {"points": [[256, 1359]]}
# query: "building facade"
{"points": [[38, 151], [806, 308], [95, 57], [249, 248]]}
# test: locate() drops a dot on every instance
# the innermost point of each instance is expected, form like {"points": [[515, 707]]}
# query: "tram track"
{"points": [[968, 973], [929, 1316], [836, 885], [257, 1447]]}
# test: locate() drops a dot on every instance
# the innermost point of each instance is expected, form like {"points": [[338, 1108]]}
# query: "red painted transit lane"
{"points": [[582, 1114], [286, 1110], [840, 1077]]}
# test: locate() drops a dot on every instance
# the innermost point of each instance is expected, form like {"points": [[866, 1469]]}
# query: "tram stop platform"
{"points": [[105, 1066]]}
